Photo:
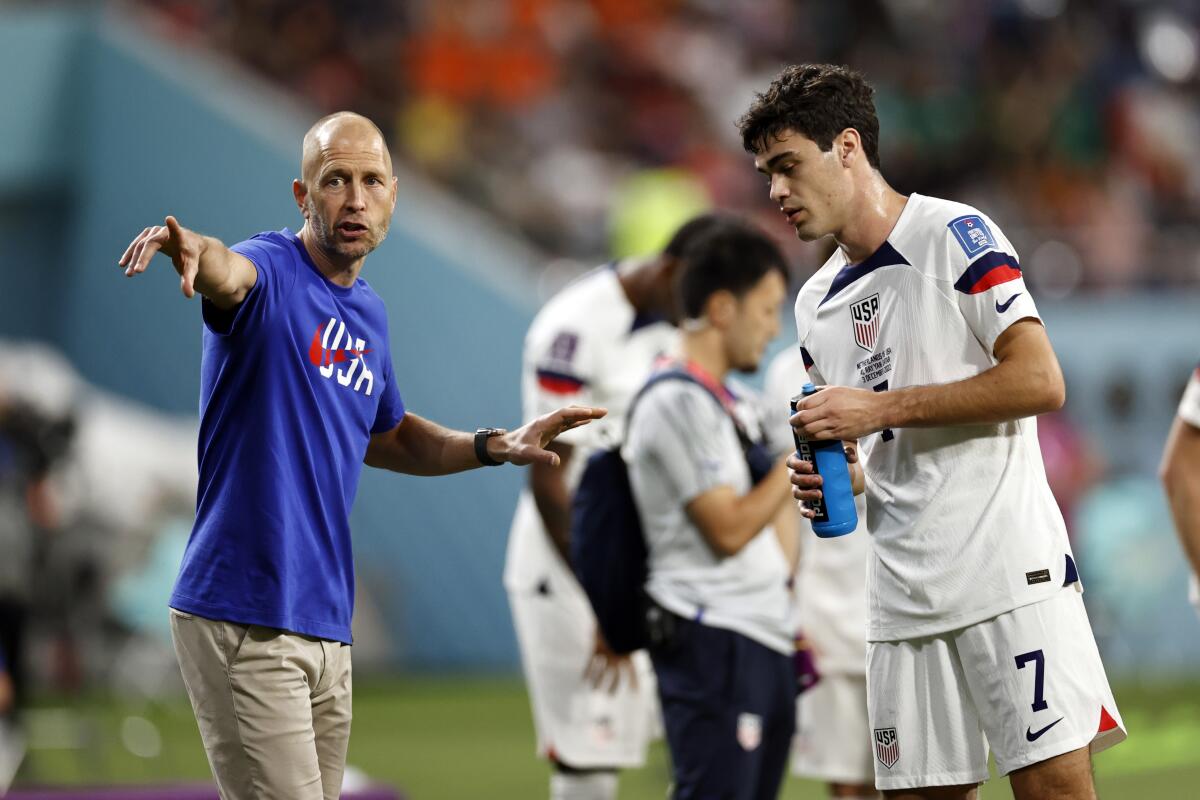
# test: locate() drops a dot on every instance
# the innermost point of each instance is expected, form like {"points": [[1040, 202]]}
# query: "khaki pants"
{"points": [[273, 707]]}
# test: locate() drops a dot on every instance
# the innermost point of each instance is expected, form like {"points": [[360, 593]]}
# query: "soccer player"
{"points": [[937, 363], [592, 343], [832, 741], [1180, 475], [717, 572], [297, 392]]}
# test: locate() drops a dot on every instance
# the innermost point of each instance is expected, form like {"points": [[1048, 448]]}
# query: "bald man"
{"points": [[297, 392]]}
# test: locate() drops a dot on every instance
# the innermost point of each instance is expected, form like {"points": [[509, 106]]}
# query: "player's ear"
{"points": [[849, 145]]}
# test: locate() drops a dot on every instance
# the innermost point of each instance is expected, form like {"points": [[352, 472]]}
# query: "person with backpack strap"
{"points": [[717, 576]]}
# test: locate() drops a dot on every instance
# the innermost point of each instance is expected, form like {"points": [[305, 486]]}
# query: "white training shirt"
{"points": [[588, 347], [962, 521], [1189, 412], [681, 443], [831, 582]]}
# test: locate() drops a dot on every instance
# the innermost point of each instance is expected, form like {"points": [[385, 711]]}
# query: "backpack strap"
{"points": [[677, 374]]}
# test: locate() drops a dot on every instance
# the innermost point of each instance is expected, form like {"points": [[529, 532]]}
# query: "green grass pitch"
{"points": [[465, 737]]}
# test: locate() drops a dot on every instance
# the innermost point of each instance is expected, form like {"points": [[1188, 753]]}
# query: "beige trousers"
{"points": [[273, 707]]}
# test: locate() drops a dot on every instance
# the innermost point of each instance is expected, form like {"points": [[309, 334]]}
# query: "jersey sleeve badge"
{"points": [[556, 373], [973, 234]]}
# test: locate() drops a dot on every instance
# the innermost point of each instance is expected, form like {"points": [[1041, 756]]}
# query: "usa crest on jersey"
{"points": [[865, 316], [887, 746]]}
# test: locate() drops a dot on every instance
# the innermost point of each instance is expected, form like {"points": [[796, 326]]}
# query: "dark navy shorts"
{"points": [[729, 705]]}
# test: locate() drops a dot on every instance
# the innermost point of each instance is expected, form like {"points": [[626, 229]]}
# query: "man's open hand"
{"points": [[181, 245], [527, 444]]}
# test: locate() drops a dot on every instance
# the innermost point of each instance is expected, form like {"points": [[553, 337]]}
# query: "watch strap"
{"points": [[481, 452]]}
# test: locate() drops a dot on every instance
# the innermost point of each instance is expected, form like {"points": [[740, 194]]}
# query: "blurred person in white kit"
{"points": [[833, 739], [1180, 473], [594, 342]]}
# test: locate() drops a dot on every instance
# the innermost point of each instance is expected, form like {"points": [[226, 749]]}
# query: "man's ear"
{"points": [[300, 192], [849, 145], [721, 309]]}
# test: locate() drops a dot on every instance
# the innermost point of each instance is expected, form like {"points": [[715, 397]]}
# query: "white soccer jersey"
{"points": [[831, 583], [586, 346], [962, 521]]}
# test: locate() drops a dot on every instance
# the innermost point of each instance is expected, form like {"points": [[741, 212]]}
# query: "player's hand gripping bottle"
{"points": [[835, 512]]}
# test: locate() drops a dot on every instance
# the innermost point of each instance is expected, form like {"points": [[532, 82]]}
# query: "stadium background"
{"points": [[535, 138]]}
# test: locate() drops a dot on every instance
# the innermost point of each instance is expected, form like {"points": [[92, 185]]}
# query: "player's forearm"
{"points": [[1180, 474], [742, 519], [418, 446], [786, 524], [218, 276], [1010, 390], [549, 488]]}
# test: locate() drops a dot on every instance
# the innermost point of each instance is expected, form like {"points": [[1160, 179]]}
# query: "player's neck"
{"points": [[637, 278], [705, 347], [343, 273], [874, 214]]}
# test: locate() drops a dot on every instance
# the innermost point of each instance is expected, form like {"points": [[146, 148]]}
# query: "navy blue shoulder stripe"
{"points": [[988, 270], [885, 256]]}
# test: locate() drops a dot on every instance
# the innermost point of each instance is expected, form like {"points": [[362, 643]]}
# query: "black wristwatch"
{"points": [[481, 439]]}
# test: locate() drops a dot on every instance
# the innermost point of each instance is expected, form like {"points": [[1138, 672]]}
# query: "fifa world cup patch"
{"points": [[973, 234], [887, 746]]}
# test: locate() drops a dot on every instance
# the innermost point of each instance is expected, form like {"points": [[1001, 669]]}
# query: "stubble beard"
{"points": [[326, 237]]}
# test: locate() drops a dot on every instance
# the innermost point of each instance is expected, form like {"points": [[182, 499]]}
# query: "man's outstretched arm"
{"points": [[204, 264], [418, 446], [1025, 381]]}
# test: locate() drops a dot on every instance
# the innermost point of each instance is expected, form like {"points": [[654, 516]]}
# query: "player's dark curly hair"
{"points": [[817, 101], [728, 254]]}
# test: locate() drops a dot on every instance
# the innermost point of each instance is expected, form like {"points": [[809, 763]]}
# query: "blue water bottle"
{"points": [[835, 512]]}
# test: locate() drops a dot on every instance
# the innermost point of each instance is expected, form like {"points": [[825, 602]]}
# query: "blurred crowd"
{"points": [[1075, 125]]}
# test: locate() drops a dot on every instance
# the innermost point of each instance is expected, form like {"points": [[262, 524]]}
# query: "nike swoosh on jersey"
{"points": [[1033, 736], [1000, 309]]}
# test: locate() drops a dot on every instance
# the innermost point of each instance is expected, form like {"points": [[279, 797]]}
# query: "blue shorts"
{"points": [[729, 705]]}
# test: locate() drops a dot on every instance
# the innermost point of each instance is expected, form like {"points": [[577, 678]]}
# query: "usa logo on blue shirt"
{"points": [[972, 234]]}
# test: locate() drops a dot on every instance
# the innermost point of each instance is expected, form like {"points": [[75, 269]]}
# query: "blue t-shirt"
{"points": [[293, 383]]}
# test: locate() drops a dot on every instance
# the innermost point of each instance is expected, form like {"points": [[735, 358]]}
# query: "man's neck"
{"points": [[705, 348], [335, 270], [873, 216], [636, 276]]}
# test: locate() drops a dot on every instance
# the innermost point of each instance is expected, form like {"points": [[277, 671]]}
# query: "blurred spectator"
{"points": [[1079, 122], [31, 442]]}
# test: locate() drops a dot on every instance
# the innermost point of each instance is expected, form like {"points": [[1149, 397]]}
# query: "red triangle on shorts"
{"points": [[1107, 723]]}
